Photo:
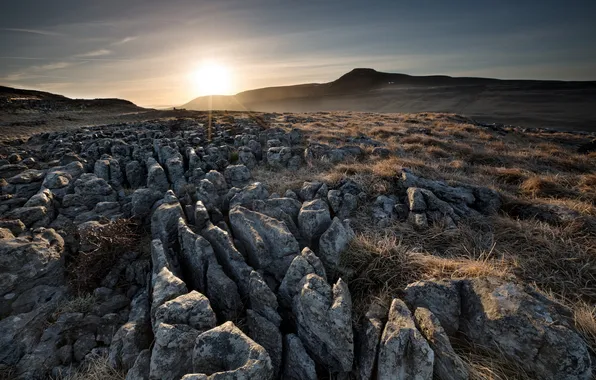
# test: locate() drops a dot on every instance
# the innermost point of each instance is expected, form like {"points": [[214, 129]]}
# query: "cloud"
{"points": [[33, 31], [95, 53], [124, 41], [52, 66]]}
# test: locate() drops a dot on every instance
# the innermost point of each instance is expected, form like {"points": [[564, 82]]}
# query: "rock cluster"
{"points": [[239, 283]]}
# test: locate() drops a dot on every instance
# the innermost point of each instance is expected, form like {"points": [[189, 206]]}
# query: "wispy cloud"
{"points": [[33, 31], [124, 41], [95, 53]]}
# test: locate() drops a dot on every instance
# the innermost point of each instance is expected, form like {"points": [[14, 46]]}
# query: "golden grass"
{"points": [[98, 369]]}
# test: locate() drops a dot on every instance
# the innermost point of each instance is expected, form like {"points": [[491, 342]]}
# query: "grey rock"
{"points": [[207, 194], [448, 365], [237, 175], [156, 177], [402, 348], [525, 327], [266, 334], [278, 157], [416, 200], [172, 354], [166, 287], [135, 175], [308, 190], [324, 322], [313, 220], [140, 369], [269, 243], [192, 309], [334, 242], [262, 299], [164, 221], [441, 297], [298, 365], [27, 176], [83, 345], [201, 215], [226, 353], [248, 194], [368, 338]]}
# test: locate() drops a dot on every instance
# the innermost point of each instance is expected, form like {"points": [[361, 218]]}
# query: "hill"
{"points": [[531, 103]]}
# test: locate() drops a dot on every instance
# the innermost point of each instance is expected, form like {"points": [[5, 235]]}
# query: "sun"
{"points": [[212, 79]]}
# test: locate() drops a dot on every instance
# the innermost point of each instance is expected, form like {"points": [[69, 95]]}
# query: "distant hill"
{"points": [[17, 100], [535, 103]]}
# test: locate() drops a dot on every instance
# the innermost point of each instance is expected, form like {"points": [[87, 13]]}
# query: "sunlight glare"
{"points": [[212, 79]]}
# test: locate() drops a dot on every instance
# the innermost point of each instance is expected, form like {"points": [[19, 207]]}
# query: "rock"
{"points": [[156, 177], [416, 200], [14, 225], [207, 194], [305, 263], [381, 152], [219, 182], [172, 354], [324, 322], [140, 369], [334, 242], [526, 328], [166, 287], [309, 189], [266, 334], [262, 299], [93, 190], [83, 345], [294, 163], [5, 233], [31, 216], [192, 309], [402, 348], [32, 259], [248, 194], [313, 221], [297, 364], [418, 220], [223, 293], [448, 365], [28, 176], [225, 350], [247, 157], [266, 208], [201, 215], [164, 221], [135, 175], [269, 243], [278, 157], [237, 175], [441, 297], [368, 340]]}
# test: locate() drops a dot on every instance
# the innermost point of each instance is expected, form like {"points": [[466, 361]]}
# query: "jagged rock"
{"points": [[248, 194], [308, 190], [14, 225], [324, 322], [93, 190], [27, 176], [164, 221], [269, 243], [228, 256], [334, 242], [313, 221], [441, 297], [278, 156], [5, 233], [140, 369], [297, 364], [156, 177], [416, 200], [402, 348], [525, 327], [448, 365], [135, 175], [172, 354], [207, 194], [247, 157], [31, 216], [290, 194], [368, 339], [266, 208], [219, 182], [192, 309], [262, 299], [166, 287], [223, 293], [290, 206], [201, 215], [226, 353], [266, 334], [237, 175], [134, 336], [32, 259], [383, 211], [294, 163]]}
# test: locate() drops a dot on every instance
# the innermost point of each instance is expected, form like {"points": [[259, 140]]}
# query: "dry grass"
{"points": [[584, 316], [97, 369], [108, 242], [76, 304], [543, 187]]}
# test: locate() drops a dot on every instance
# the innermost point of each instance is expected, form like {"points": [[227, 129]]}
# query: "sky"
{"points": [[149, 51]]}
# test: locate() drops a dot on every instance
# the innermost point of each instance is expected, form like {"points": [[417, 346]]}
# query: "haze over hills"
{"points": [[531, 103]]}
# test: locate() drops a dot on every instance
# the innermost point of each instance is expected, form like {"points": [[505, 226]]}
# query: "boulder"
{"points": [[269, 243], [368, 338], [441, 297], [266, 334], [135, 174], [156, 177], [334, 242], [313, 220], [226, 353], [402, 348], [237, 175], [525, 327], [172, 354], [324, 322], [140, 369], [448, 365], [248, 194], [192, 309], [305, 263], [298, 365]]}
